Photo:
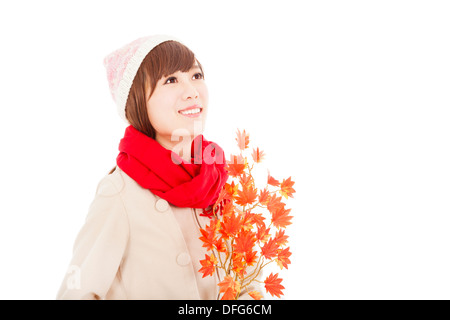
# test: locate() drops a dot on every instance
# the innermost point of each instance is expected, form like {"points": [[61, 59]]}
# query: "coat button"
{"points": [[183, 259], [162, 205]]}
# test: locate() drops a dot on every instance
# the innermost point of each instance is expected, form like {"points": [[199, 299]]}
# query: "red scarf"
{"points": [[194, 184]]}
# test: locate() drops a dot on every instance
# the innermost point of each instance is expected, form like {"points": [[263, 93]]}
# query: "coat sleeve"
{"points": [[99, 247]]}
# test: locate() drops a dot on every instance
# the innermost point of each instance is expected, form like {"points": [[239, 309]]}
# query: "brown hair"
{"points": [[163, 60]]}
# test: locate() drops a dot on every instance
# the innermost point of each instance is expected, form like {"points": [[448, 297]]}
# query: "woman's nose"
{"points": [[190, 91]]}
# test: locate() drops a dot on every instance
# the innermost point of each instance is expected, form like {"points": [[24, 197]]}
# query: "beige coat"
{"points": [[135, 245]]}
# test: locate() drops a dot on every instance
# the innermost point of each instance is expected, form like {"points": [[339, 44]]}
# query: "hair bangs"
{"points": [[168, 58]]}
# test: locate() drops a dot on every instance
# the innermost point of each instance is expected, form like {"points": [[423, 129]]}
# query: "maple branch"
{"points": [[246, 278], [250, 173], [261, 267], [227, 269], [221, 267], [244, 287], [241, 189], [257, 205], [229, 253], [220, 259]]}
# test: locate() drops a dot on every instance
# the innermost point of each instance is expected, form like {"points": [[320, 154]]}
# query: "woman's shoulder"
{"points": [[116, 183], [110, 185]]}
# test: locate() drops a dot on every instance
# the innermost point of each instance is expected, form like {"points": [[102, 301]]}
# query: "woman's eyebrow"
{"points": [[195, 66]]}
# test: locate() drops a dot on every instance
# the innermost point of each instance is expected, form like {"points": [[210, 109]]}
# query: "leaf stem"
{"points": [[254, 278]]}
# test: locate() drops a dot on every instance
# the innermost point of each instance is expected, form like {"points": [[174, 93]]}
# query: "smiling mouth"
{"points": [[191, 112]]}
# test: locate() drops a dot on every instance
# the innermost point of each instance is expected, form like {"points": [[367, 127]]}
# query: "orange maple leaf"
{"points": [[230, 225], [280, 238], [208, 239], [263, 196], [274, 203], [246, 196], [272, 181], [244, 242], [220, 245], [269, 250], [246, 180], [223, 195], [227, 209], [238, 264], [229, 287], [283, 258], [247, 220], [208, 265], [286, 189], [209, 235], [255, 295], [257, 218], [281, 218], [250, 257], [257, 155], [235, 166], [231, 189], [273, 286], [242, 139], [229, 295], [263, 233]]}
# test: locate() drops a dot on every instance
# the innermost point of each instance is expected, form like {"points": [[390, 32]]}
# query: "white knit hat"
{"points": [[123, 64]]}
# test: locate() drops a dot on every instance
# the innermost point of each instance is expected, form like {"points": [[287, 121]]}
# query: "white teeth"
{"points": [[192, 111]]}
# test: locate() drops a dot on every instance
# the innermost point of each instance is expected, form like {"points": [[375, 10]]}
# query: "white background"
{"points": [[350, 98]]}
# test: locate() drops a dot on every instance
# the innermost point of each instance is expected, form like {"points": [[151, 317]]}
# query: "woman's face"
{"points": [[178, 106]]}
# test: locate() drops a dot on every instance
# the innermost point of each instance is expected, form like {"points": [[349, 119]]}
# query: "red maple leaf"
{"points": [[273, 286]]}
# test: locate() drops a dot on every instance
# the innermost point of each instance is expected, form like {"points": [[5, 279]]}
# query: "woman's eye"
{"points": [[198, 76], [171, 80]]}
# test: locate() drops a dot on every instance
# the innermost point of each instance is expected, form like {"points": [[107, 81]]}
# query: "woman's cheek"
{"points": [[204, 94]]}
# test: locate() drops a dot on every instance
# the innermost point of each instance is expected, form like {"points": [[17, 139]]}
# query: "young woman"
{"points": [[141, 235]]}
